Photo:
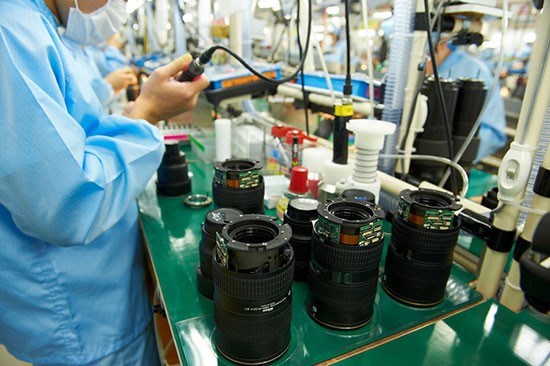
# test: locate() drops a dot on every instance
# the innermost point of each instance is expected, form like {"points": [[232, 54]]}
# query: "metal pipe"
{"points": [[529, 127], [512, 295], [363, 108]]}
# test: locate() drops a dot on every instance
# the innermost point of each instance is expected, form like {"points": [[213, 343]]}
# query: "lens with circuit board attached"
{"points": [[420, 254], [252, 267], [238, 184], [214, 222], [346, 247]]}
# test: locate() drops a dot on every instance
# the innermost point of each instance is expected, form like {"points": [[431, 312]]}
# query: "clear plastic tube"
{"points": [[439, 159], [396, 78], [538, 160]]}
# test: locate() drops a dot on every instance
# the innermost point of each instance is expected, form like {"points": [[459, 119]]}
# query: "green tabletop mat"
{"points": [[172, 233], [488, 335]]}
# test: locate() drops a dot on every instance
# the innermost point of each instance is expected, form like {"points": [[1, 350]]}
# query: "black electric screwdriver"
{"points": [[195, 68]]}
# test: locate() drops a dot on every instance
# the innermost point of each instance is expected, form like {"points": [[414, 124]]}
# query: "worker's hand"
{"points": [[121, 78], [162, 96]]}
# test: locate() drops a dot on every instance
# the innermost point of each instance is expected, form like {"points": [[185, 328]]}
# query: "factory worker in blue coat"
{"points": [[335, 46], [105, 87], [108, 56], [71, 261], [454, 63]]}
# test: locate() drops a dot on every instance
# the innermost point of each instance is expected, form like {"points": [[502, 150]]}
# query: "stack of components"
{"points": [[252, 267], [173, 174], [213, 224], [238, 184], [420, 255], [464, 100], [471, 97], [345, 253], [433, 141], [300, 215]]}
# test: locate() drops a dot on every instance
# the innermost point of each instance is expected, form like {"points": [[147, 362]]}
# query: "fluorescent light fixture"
{"points": [[530, 37], [381, 15], [318, 28], [333, 10], [187, 17], [266, 4]]}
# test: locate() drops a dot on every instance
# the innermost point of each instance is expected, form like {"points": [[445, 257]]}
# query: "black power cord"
{"points": [[302, 81], [206, 56], [440, 96], [347, 84]]}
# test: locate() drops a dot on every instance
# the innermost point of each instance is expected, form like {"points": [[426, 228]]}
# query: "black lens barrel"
{"points": [[300, 215], [343, 273], [238, 184], [253, 266], [420, 254], [214, 222], [173, 174]]}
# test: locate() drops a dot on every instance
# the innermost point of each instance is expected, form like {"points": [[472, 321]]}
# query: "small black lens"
{"points": [[345, 253], [420, 255], [300, 215], [238, 184], [252, 266], [173, 174], [214, 222]]}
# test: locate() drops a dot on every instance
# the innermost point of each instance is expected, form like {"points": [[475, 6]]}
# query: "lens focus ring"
{"points": [[346, 257]]}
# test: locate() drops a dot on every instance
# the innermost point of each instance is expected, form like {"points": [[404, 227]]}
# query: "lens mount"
{"points": [[428, 208], [253, 244], [350, 222]]}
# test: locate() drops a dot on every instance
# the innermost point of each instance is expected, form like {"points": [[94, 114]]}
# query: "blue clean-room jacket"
{"points": [[71, 272]]}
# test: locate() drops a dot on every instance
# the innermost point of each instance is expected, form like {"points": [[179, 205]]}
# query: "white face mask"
{"points": [[97, 26]]}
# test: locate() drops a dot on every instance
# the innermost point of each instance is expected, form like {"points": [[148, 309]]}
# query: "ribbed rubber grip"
{"points": [[252, 286], [349, 258]]}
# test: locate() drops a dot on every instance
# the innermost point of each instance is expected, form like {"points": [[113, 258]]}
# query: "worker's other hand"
{"points": [[121, 78], [162, 96]]}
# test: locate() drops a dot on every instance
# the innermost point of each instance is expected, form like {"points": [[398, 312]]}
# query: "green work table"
{"points": [[488, 334], [172, 232]]}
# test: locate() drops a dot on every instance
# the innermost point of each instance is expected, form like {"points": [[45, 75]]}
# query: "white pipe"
{"points": [[363, 108], [529, 127], [317, 46], [236, 33], [180, 44], [204, 16], [512, 295], [309, 64]]}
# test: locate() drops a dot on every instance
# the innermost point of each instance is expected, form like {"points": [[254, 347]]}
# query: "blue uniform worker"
{"points": [[461, 64], [89, 71], [107, 59], [71, 260]]}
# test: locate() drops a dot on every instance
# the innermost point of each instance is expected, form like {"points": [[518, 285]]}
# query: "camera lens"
{"points": [[238, 184], [173, 174], [346, 248], [300, 214], [214, 222], [252, 267], [420, 254]]}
